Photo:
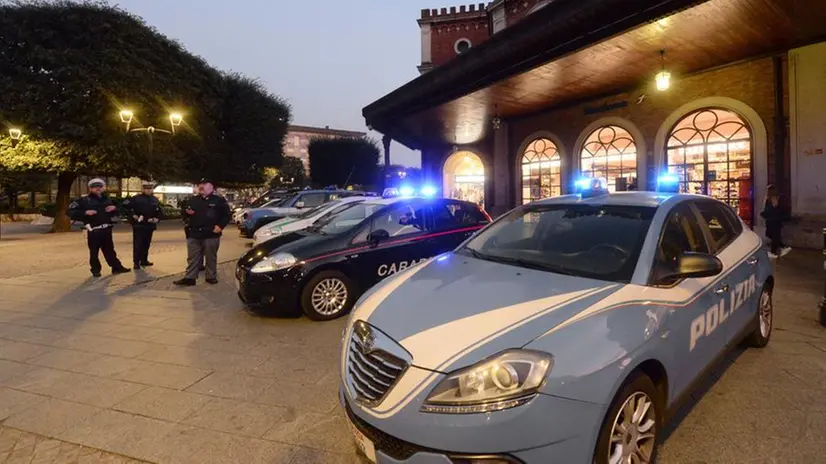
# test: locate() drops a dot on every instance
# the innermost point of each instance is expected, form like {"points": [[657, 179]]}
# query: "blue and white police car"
{"points": [[567, 331]]}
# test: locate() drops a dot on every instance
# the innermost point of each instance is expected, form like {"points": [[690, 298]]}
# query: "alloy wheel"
{"points": [[766, 314], [329, 296], [633, 435]]}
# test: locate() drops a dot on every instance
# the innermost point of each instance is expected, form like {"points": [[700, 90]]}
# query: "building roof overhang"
{"points": [[572, 50]]}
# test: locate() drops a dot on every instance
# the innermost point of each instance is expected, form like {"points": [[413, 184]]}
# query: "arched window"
{"points": [[610, 152], [541, 171], [710, 152]]}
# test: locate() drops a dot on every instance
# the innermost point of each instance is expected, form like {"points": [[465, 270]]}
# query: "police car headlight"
{"points": [[275, 263], [509, 379], [271, 232]]}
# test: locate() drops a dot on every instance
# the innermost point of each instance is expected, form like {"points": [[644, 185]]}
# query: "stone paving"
{"points": [[129, 369]]}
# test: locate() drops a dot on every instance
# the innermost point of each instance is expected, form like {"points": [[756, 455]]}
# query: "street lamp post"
{"points": [[175, 120], [16, 135]]}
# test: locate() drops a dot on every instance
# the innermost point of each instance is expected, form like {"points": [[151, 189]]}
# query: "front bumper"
{"points": [[546, 430], [279, 290]]}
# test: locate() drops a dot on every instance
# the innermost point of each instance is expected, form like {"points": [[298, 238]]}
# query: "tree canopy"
{"points": [[290, 174], [66, 71], [343, 161]]}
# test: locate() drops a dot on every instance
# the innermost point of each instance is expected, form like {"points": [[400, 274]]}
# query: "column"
{"points": [[386, 142], [503, 184]]}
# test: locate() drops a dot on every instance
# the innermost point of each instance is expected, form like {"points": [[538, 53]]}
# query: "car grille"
{"points": [[391, 446], [372, 372]]}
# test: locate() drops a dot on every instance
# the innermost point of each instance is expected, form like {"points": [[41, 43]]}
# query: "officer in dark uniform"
{"points": [[98, 214], [144, 212], [208, 215], [185, 220]]}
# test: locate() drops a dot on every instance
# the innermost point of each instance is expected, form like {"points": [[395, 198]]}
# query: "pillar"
{"points": [[386, 142], [501, 175]]}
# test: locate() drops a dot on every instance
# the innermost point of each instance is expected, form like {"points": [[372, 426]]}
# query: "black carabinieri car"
{"points": [[324, 269]]}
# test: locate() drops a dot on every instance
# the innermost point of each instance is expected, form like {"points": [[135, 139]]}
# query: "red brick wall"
{"points": [[751, 83], [444, 36]]}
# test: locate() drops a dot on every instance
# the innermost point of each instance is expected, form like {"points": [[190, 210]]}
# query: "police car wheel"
{"points": [[629, 430], [765, 320], [327, 296]]}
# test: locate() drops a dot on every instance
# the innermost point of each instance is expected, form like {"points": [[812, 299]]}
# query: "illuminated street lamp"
{"points": [[175, 120]]}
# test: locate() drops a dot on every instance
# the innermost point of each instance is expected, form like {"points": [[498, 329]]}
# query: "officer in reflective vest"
{"points": [[98, 214]]}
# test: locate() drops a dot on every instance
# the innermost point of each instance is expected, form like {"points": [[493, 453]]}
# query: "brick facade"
{"points": [[751, 83], [443, 28]]}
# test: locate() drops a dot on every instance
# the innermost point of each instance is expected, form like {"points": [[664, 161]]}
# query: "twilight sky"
{"points": [[328, 58]]}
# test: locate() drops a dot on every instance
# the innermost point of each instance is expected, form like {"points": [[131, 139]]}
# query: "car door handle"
{"points": [[722, 289], [753, 260]]}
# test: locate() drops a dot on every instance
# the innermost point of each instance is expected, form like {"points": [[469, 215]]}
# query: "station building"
{"points": [[517, 99]]}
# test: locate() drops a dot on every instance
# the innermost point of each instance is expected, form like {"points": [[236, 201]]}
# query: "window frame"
{"points": [[737, 231], [367, 224], [692, 211]]}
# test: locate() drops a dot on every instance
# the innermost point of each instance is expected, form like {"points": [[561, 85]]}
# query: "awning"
{"points": [[575, 50]]}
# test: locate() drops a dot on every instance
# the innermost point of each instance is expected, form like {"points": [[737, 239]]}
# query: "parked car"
{"points": [[303, 220], [322, 270], [254, 219], [568, 331]]}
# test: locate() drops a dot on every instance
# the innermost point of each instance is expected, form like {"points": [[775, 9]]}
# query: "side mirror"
{"points": [[689, 265], [378, 236], [299, 204]]}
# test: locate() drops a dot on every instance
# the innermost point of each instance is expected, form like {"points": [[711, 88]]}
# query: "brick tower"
{"points": [[448, 32]]}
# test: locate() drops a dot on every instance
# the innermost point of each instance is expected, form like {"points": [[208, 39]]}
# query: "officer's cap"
{"points": [[148, 184], [205, 180], [97, 182]]}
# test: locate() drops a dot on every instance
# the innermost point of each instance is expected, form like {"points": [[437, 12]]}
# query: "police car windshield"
{"points": [[600, 242], [347, 218], [313, 211]]}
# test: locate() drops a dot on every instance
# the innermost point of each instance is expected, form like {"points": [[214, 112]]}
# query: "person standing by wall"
{"points": [[775, 216], [98, 214], [144, 212], [208, 214]]}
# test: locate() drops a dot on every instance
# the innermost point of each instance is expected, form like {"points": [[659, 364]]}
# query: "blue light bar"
{"points": [[428, 191], [668, 183], [583, 184], [406, 191]]}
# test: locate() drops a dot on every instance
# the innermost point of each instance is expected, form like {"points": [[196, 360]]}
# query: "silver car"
{"points": [[567, 331]]}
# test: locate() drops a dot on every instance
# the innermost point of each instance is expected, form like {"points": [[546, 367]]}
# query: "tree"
{"points": [[291, 174], [14, 183], [344, 161], [67, 69]]}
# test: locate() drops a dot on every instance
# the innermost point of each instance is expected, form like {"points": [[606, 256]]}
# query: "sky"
{"points": [[327, 58]]}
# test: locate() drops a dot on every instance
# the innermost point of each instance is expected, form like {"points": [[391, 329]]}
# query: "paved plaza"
{"points": [[129, 369]]}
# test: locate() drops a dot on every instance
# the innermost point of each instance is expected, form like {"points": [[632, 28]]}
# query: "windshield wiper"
{"points": [[520, 262]]}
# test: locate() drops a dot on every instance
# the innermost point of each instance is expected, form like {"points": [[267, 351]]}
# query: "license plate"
{"points": [[365, 446]]}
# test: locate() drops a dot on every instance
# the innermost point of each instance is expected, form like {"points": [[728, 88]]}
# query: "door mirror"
{"points": [[299, 204], [689, 265], [378, 236]]}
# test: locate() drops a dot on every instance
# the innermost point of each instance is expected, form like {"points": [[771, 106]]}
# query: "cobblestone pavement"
{"points": [[160, 374]]}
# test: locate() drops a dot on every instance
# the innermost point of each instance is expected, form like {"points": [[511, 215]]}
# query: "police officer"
{"points": [[208, 214], [144, 212], [185, 220], [98, 214]]}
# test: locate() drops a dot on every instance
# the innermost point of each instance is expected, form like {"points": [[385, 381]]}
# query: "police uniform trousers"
{"points": [[198, 251], [100, 240], [141, 241]]}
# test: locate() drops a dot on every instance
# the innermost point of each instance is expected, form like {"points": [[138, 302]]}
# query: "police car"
{"points": [[567, 331], [254, 219], [302, 221], [322, 270]]}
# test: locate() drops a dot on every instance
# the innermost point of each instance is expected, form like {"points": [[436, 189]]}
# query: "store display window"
{"points": [[541, 171]]}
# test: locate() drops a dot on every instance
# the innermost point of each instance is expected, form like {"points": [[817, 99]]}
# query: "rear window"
{"points": [[719, 219], [595, 241]]}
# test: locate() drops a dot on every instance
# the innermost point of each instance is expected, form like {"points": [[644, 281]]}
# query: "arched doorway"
{"points": [[541, 171], [464, 177], [610, 152], [710, 151]]}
